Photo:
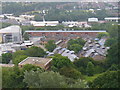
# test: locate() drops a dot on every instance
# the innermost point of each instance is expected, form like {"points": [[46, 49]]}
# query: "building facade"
{"points": [[11, 34]]}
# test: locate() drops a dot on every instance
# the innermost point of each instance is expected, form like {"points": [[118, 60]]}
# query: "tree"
{"points": [[18, 53], [109, 42], [113, 67], [113, 55], [75, 44], [50, 79], [103, 34], [19, 58], [90, 69], [107, 80], [59, 61], [75, 47], [35, 52], [38, 18], [79, 41], [70, 72], [26, 36], [12, 77], [79, 84], [6, 58], [50, 46], [29, 67], [82, 62]]}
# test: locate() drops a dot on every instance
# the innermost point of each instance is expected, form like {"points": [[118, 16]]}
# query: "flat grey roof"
{"points": [[67, 31]]}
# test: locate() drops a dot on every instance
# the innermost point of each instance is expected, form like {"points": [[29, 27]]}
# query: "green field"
{"points": [[91, 78]]}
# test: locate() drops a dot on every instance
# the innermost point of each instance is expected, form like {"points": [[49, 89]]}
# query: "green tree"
{"points": [[107, 80], [12, 78], [19, 58], [82, 62], [79, 41], [59, 61], [75, 47], [113, 55], [50, 46], [26, 36], [109, 42], [6, 58], [114, 67], [38, 18], [29, 67], [79, 84], [35, 52], [103, 34], [90, 69], [75, 44], [36, 79], [18, 53], [70, 72]]}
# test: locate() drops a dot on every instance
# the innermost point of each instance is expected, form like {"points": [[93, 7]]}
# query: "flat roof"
{"points": [[42, 62], [112, 18], [11, 29], [66, 31]]}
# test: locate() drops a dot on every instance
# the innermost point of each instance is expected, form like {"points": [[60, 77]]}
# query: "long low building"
{"points": [[64, 34], [11, 34], [116, 19], [41, 62], [44, 23]]}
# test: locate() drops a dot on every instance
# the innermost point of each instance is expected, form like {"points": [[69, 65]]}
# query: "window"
{"points": [[15, 38]]}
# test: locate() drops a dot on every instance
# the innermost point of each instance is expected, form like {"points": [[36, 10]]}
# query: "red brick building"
{"points": [[64, 34]]}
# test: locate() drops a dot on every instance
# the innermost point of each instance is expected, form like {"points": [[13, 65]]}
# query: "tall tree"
{"points": [[59, 61], [6, 58], [107, 80], [36, 79], [35, 52], [90, 69], [50, 46]]}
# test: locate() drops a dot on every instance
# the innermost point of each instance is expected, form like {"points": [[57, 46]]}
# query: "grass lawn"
{"points": [[91, 78]]}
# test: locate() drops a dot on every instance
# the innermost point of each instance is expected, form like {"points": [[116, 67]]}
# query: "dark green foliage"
{"points": [[82, 62], [50, 46], [113, 54], [18, 53], [81, 65], [12, 78], [6, 58], [44, 80], [3, 25], [38, 18], [29, 67], [30, 52], [114, 67], [50, 79], [76, 41], [35, 52], [98, 69], [59, 61], [75, 47], [76, 44], [19, 58], [90, 69], [103, 34], [26, 36], [109, 42], [107, 80], [70, 72]]}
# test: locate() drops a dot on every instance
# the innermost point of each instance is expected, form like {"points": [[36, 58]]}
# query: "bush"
{"points": [[70, 72]]}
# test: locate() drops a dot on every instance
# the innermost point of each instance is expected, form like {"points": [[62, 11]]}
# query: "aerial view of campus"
{"points": [[59, 45]]}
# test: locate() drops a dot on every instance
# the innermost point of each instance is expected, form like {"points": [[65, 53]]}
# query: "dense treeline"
{"points": [[52, 13]]}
